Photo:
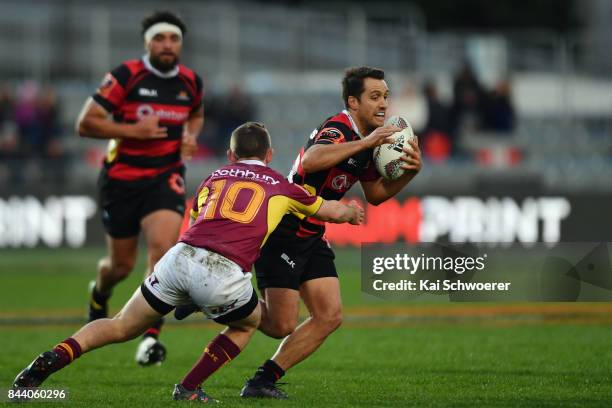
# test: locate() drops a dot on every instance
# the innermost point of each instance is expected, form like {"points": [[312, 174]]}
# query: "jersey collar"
{"points": [[353, 124], [170, 74], [257, 162]]}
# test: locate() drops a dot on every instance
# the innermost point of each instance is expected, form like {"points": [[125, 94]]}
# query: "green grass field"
{"points": [[386, 354]]}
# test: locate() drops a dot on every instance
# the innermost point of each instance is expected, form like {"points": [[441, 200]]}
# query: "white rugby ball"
{"points": [[387, 156]]}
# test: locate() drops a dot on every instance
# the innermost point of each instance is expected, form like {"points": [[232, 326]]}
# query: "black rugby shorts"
{"points": [[286, 261], [124, 204]]}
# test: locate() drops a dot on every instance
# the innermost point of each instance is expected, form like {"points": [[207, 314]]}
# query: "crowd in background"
{"points": [[31, 128], [473, 108], [29, 121], [223, 113], [30, 132]]}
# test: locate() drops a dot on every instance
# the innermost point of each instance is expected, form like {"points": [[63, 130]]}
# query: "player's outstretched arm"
{"points": [[379, 191], [337, 212], [93, 122], [324, 156]]}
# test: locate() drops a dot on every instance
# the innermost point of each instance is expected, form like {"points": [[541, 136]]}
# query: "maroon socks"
{"points": [[218, 352], [68, 350]]}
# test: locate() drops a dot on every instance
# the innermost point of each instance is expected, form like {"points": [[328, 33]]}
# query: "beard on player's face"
{"points": [[164, 61]]}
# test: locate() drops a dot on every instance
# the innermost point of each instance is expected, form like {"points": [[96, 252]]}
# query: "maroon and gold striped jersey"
{"points": [[130, 92], [239, 205]]}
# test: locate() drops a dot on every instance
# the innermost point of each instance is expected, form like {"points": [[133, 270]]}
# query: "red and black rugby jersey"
{"points": [[332, 183], [131, 92]]}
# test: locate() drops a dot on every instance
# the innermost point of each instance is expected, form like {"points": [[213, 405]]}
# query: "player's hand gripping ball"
{"points": [[387, 156]]}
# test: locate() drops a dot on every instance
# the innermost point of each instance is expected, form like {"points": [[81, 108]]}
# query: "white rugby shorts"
{"points": [[187, 274]]}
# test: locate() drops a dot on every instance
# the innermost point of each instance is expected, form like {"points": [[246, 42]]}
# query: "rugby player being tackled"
{"points": [[233, 213], [297, 261]]}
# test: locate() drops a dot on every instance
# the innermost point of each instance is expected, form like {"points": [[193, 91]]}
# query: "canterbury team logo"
{"points": [[144, 110], [107, 85], [176, 183], [182, 96], [107, 82], [331, 134], [340, 183]]}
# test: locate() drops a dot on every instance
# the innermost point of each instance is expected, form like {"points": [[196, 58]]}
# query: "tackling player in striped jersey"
{"points": [[233, 213]]}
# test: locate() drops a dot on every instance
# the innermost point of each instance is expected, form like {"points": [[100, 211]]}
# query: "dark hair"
{"points": [[250, 139], [352, 83], [162, 17]]}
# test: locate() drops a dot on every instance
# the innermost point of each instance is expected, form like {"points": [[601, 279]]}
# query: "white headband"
{"points": [[161, 28]]}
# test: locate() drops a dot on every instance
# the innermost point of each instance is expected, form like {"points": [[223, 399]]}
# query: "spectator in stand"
{"points": [[50, 129], [499, 111], [411, 105], [8, 135], [235, 108], [26, 117], [467, 101], [8, 140], [224, 113], [38, 143], [438, 143], [50, 147], [211, 142]]}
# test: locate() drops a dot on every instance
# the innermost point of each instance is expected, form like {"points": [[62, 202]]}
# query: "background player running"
{"points": [[297, 261], [234, 211], [156, 105]]}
